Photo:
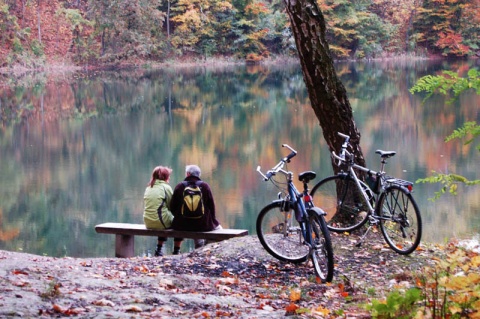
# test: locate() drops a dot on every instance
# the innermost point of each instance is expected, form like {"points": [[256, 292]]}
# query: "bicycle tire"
{"points": [[283, 243], [340, 198], [322, 253], [400, 219]]}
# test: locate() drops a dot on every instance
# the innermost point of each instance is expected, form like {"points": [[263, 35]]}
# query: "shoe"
{"points": [[158, 252]]}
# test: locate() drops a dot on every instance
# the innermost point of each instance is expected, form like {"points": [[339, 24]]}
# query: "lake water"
{"points": [[77, 149]]}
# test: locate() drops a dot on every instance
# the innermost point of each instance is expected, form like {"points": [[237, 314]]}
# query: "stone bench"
{"points": [[125, 235]]}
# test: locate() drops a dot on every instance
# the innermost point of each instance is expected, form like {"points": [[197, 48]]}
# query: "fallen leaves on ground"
{"points": [[234, 278]]}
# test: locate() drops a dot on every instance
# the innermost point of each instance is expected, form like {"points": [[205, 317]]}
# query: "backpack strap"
{"points": [[159, 210], [198, 183]]}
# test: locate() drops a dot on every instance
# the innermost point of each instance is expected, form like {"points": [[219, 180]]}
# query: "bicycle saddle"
{"points": [[307, 176], [385, 154]]}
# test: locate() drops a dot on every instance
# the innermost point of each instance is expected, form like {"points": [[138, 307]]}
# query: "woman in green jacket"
{"points": [[156, 213]]}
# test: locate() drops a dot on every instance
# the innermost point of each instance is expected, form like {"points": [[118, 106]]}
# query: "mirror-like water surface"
{"points": [[78, 149]]}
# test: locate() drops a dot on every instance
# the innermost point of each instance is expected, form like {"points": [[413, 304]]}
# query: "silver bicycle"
{"points": [[384, 201]]}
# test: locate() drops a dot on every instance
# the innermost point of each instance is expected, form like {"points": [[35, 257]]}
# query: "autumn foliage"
{"points": [[89, 32]]}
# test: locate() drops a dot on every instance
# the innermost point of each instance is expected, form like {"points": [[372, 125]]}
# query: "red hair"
{"points": [[160, 172]]}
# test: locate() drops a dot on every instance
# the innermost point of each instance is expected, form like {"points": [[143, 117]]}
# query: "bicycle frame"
{"points": [[300, 210], [352, 173], [407, 186], [294, 201]]}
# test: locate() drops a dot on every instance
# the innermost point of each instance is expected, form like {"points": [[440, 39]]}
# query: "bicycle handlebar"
{"points": [[343, 151], [346, 137], [340, 160], [278, 168]]}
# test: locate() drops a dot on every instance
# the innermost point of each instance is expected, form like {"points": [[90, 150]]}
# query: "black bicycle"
{"points": [[291, 228], [385, 201]]}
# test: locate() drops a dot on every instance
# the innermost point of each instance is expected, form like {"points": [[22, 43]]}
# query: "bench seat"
{"points": [[125, 235]]}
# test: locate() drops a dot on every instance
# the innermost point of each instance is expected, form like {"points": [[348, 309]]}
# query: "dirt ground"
{"points": [[231, 279]]}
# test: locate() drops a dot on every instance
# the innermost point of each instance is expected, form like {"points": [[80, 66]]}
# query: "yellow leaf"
{"points": [[459, 298], [476, 304], [456, 283], [295, 294], [455, 309], [474, 277], [476, 261], [322, 311], [476, 294]]}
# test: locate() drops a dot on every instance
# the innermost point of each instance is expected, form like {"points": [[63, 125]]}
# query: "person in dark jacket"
{"points": [[208, 221]]}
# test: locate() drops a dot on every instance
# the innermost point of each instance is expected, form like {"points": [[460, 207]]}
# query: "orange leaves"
{"points": [[454, 283], [257, 8], [132, 308], [452, 42], [461, 282], [341, 288], [222, 284], [142, 268], [19, 272], [67, 311], [103, 303], [228, 279], [291, 308]]}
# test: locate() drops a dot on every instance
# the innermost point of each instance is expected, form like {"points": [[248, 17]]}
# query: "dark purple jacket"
{"points": [[207, 222]]}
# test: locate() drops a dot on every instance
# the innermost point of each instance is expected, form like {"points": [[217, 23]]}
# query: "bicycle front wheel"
{"points": [[322, 253], [400, 220], [343, 202], [280, 234]]}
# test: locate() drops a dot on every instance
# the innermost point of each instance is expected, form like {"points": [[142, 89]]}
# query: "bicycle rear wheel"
{"points": [[343, 202], [322, 253], [400, 220], [280, 234]]}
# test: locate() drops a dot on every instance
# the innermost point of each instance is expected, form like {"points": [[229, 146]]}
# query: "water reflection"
{"points": [[78, 149]]}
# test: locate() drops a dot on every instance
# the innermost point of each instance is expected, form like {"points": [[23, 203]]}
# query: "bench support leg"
{"points": [[124, 246]]}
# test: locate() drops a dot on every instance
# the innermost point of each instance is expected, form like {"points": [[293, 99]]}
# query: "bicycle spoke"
{"points": [[343, 202], [400, 220], [279, 236]]}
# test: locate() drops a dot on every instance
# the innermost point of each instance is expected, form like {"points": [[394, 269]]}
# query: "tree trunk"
{"points": [[38, 22], [168, 19], [328, 96]]}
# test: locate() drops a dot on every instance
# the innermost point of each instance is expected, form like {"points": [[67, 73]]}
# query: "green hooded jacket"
{"points": [[153, 198]]}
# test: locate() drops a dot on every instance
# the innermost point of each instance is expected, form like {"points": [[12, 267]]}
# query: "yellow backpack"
{"points": [[192, 200]]}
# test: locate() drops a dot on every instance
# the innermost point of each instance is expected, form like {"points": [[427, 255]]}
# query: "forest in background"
{"points": [[35, 33]]}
